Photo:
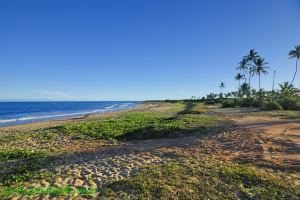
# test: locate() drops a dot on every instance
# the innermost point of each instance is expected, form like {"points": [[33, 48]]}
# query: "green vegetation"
{"points": [[284, 114], [19, 153], [196, 108], [53, 191], [287, 97], [201, 179], [183, 177], [271, 105], [295, 53], [143, 125], [22, 172]]}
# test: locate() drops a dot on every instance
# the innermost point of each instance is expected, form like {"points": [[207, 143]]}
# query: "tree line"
{"points": [[251, 65]]}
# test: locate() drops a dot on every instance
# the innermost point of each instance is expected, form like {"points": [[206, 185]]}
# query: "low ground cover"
{"points": [[194, 178], [187, 177], [183, 176], [144, 125]]}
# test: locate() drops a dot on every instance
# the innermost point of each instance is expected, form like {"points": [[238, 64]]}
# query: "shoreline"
{"points": [[56, 122]]}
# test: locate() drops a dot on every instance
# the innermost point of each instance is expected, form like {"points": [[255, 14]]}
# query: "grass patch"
{"points": [[194, 108], [19, 153], [284, 114], [142, 125], [53, 191], [200, 179], [23, 172]]}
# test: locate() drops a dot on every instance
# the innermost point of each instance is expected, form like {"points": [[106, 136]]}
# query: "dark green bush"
{"points": [[249, 102], [290, 103], [272, 105], [228, 103], [210, 102]]}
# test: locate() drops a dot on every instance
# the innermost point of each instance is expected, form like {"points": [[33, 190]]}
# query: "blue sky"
{"points": [[139, 49]]}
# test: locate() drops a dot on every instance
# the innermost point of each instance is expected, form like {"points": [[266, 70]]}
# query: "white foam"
{"points": [[30, 118], [110, 107], [33, 118], [7, 120]]}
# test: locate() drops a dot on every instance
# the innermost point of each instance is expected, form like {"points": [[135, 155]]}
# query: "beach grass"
{"points": [[283, 114], [194, 178], [22, 172], [20, 153], [52, 190], [143, 125], [184, 177]]}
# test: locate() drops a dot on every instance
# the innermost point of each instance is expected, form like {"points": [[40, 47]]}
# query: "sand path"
{"points": [[97, 167]]}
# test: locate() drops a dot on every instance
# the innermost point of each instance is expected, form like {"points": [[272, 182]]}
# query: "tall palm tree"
{"points": [[222, 85], [242, 66], [259, 68], [250, 59], [295, 53], [238, 78]]}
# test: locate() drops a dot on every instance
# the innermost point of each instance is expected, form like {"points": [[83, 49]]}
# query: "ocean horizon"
{"points": [[24, 112]]}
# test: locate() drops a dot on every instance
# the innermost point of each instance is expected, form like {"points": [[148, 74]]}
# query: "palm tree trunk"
{"points": [[295, 72], [249, 78], [259, 82], [273, 81]]}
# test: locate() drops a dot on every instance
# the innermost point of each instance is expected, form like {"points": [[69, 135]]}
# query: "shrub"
{"points": [[250, 102], [272, 105], [228, 103], [210, 102], [290, 103]]}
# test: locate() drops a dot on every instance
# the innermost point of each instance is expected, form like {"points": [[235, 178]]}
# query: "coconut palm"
{"points": [[284, 86], [288, 90], [242, 66], [259, 69], [238, 78], [221, 86], [250, 59], [245, 89], [295, 53], [252, 55]]}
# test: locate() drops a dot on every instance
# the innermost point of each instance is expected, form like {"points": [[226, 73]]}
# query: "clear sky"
{"points": [[139, 49]]}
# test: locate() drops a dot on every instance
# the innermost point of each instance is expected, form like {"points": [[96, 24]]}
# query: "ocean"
{"points": [[13, 113]]}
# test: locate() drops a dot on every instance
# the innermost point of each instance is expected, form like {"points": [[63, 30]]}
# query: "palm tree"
{"points": [[238, 78], [250, 59], [273, 82], [252, 55], [222, 86], [295, 53], [243, 67], [284, 86], [245, 89], [259, 69], [288, 90]]}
